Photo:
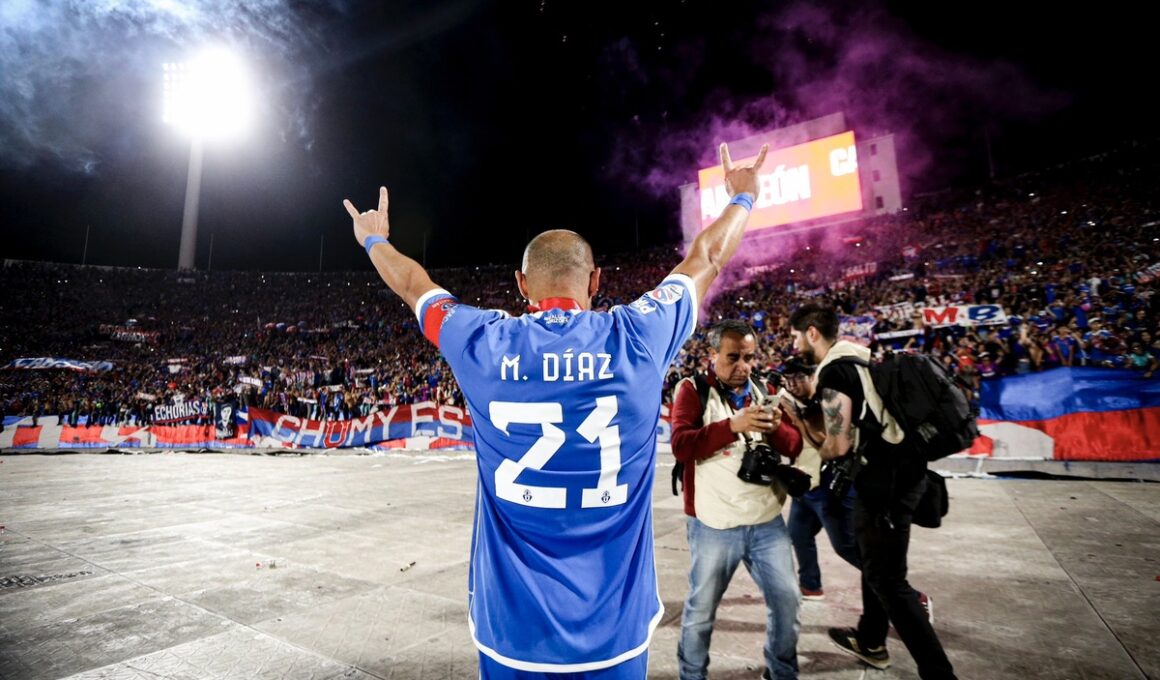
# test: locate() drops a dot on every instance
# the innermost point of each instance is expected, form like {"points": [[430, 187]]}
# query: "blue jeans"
{"points": [[809, 514], [765, 549]]}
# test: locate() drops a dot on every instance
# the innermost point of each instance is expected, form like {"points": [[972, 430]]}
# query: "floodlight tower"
{"points": [[207, 98]]}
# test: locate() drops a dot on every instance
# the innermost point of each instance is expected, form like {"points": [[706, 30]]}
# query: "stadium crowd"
{"points": [[1070, 255]]}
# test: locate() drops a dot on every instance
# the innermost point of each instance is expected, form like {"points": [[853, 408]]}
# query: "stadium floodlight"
{"points": [[209, 97]]}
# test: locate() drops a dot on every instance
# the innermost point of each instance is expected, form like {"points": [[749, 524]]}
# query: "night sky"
{"points": [[490, 122]]}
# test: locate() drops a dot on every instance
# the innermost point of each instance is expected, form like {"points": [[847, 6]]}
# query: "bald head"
{"points": [[558, 263], [558, 255]]}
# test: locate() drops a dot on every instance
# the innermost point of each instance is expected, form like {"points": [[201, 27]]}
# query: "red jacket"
{"points": [[693, 440]]}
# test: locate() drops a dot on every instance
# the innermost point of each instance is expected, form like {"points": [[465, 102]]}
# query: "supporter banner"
{"points": [[237, 360], [949, 315], [268, 428], [762, 269], [897, 312], [1063, 414], [859, 329], [1148, 275], [894, 335], [225, 425], [176, 365], [964, 315], [1073, 414], [129, 334], [121, 437], [902, 277], [189, 410], [46, 363], [860, 270], [247, 380]]}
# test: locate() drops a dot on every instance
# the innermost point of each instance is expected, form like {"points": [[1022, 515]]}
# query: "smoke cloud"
{"points": [[823, 60]]}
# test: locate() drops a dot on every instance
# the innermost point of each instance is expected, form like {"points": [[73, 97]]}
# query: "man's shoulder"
{"points": [[841, 376]]}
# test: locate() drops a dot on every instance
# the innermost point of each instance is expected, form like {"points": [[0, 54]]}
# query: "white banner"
{"points": [[893, 335], [46, 363], [949, 315], [964, 315], [860, 270]]}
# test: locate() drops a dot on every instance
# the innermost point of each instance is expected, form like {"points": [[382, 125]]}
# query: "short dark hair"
{"points": [[733, 326], [797, 366], [825, 319]]}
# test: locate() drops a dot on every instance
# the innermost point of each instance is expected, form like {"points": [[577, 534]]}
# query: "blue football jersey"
{"points": [[564, 406]]}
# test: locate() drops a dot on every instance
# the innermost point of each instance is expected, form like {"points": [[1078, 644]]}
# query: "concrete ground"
{"points": [[208, 566]]}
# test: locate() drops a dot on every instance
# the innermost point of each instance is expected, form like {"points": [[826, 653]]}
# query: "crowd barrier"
{"points": [[1067, 414]]}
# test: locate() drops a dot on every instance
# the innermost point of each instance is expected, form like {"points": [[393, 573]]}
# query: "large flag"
{"points": [[1073, 414]]}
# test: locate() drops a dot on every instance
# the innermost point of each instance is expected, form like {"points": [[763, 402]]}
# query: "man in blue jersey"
{"points": [[564, 403]]}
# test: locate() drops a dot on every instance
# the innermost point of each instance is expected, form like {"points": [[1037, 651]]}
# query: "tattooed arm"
{"points": [[837, 410]]}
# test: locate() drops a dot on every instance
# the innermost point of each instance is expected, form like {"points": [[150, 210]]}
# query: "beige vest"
{"points": [[721, 500], [809, 460], [891, 433]]}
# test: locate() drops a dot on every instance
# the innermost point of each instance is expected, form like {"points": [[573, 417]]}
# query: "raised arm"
{"points": [[402, 274], [713, 247]]}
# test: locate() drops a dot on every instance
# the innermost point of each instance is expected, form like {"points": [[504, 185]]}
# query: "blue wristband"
{"points": [[743, 200], [372, 241]]}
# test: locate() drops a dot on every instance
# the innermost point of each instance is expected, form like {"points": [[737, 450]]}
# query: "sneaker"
{"points": [[927, 606], [846, 640], [811, 594]]}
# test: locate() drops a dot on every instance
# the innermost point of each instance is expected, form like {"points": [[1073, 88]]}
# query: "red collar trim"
{"points": [[566, 304]]}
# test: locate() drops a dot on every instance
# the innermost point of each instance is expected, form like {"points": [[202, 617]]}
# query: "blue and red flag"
{"points": [[1084, 413]]}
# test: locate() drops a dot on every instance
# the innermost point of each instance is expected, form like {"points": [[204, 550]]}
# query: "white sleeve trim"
{"points": [[423, 300], [692, 286]]}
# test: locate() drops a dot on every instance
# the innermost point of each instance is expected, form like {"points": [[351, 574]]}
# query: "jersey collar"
{"points": [[566, 304]]}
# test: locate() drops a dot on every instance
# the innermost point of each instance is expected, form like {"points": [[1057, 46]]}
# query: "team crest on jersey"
{"points": [[446, 309], [667, 294], [643, 306]]}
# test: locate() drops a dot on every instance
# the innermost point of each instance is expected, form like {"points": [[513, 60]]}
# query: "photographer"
{"points": [[727, 426], [889, 483], [817, 508]]}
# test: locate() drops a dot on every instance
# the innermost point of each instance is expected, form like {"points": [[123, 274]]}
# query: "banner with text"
{"points": [[405, 421], [949, 315]]}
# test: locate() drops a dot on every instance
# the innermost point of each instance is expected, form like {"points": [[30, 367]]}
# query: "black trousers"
{"points": [[884, 539]]}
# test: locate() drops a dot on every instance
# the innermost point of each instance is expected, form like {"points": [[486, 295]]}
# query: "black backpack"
{"points": [[703, 388], [930, 405]]}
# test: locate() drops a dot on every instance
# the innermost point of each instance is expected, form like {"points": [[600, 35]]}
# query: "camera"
{"points": [[761, 465], [841, 472]]}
